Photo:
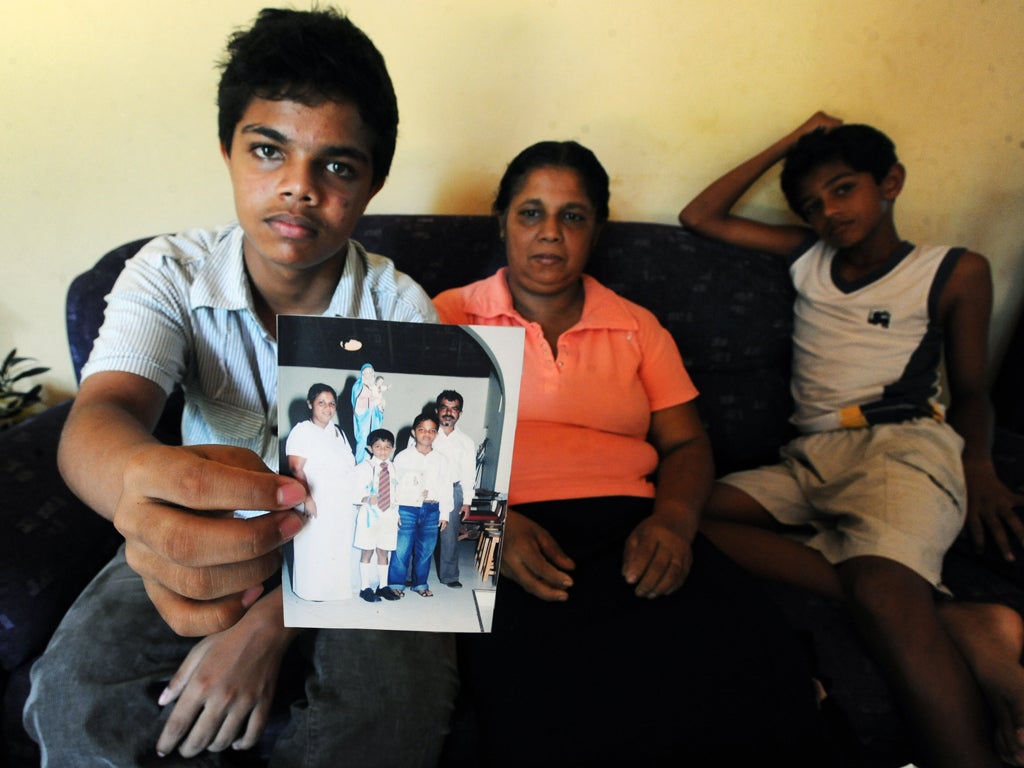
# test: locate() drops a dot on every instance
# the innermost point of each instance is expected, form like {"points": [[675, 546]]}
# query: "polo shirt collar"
{"points": [[602, 307]]}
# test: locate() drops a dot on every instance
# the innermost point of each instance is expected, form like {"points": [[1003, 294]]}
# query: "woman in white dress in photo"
{"points": [[319, 455]]}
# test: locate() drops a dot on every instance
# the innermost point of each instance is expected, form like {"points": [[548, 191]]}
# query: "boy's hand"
{"points": [[816, 121], [992, 507], [532, 558], [225, 686], [202, 567], [711, 212], [657, 558]]}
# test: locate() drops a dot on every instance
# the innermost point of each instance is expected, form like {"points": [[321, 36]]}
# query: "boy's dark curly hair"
{"points": [[309, 57], [863, 148], [379, 434]]}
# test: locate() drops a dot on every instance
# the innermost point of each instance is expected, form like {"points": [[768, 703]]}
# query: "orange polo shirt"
{"points": [[583, 417]]}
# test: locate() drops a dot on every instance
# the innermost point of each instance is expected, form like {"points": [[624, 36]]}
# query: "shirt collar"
{"points": [[602, 307], [222, 281]]}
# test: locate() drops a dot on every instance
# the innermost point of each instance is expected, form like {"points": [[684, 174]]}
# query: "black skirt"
{"points": [[710, 675]]}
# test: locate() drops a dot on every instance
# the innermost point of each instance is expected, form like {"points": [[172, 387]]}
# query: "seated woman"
{"points": [[619, 632]]}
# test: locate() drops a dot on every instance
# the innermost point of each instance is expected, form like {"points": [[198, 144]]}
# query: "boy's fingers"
{"points": [[1001, 540], [187, 539], [192, 618], [202, 572], [976, 531], [201, 582], [210, 478]]}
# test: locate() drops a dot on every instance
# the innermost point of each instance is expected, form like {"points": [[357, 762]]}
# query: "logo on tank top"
{"points": [[879, 317]]}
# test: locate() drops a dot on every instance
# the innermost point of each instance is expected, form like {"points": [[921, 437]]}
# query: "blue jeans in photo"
{"points": [[417, 536]]}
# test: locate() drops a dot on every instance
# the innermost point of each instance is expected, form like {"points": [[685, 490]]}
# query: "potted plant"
{"points": [[14, 403]]}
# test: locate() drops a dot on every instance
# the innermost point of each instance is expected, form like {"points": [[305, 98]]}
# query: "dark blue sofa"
{"points": [[729, 310]]}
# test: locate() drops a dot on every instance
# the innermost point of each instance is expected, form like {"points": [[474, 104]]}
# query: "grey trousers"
{"points": [[370, 697], [448, 542]]}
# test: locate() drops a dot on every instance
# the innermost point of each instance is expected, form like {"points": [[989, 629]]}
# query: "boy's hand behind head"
{"points": [[202, 567], [818, 120]]}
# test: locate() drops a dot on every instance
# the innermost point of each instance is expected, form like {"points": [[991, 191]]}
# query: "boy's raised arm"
{"points": [[709, 212], [174, 505]]}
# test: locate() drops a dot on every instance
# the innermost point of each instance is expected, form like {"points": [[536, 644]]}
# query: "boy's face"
{"points": [[424, 435], [381, 449], [302, 177], [844, 206]]}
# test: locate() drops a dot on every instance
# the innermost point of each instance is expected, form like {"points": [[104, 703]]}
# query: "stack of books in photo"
{"points": [[486, 506]]}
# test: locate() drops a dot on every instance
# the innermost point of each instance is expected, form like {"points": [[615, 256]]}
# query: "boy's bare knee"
{"points": [[992, 619]]}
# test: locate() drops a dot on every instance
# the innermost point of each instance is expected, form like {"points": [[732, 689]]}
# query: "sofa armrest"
{"points": [[51, 544]]}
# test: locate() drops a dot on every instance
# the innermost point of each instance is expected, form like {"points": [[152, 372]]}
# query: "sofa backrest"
{"points": [[729, 309]]}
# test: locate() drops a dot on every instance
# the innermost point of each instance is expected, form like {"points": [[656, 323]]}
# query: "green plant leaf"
{"points": [[31, 372], [13, 402]]}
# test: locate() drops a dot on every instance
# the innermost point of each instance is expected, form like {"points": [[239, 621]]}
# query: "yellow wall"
{"points": [[108, 124]]}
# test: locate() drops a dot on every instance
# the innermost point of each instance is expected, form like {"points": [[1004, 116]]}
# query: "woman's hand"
{"points": [[297, 466], [532, 558], [309, 508], [658, 553], [657, 558], [224, 688]]}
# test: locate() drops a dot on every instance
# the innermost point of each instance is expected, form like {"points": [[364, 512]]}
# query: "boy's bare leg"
{"points": [[948, 705], [991, 638], [744, 530], [894, 608]]}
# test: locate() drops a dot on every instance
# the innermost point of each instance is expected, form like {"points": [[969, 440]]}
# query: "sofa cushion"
{"points": [[730, 312], [52, 543], [86, 301]]}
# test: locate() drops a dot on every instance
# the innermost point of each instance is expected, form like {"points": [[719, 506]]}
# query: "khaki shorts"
{"points": [[376, 529], [892, 490]]}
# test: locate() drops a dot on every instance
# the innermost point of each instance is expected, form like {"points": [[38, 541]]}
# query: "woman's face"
{"points": [[549, 231], [322, 409]]}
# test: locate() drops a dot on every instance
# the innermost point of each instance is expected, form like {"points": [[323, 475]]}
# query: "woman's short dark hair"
{"points": [[319, 388], [556, 154], [309, 57], [863, 148]]}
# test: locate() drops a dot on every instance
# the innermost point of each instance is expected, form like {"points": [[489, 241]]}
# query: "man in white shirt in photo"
{"points": [[460, 450]]}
